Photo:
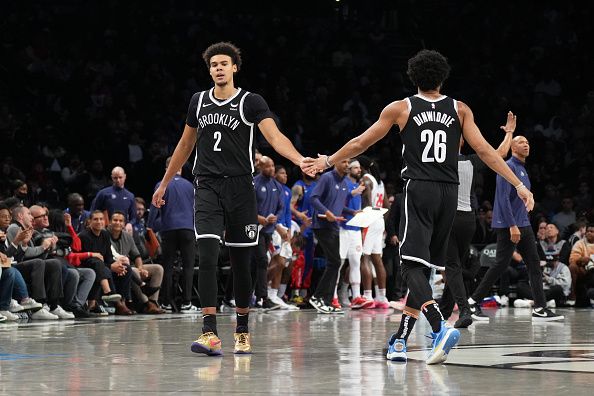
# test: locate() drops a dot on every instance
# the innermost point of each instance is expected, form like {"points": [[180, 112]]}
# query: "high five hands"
{"points": [[312, 166]]}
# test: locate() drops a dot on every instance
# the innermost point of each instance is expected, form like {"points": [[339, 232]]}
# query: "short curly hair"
{"points": [[223, 48], [428, 69]]}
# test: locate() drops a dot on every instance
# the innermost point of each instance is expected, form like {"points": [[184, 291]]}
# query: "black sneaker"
{"points": [[478, 314], [268, 305], [464, 320], [98, 311], [319, 305], [80, 312], [545, 315]]}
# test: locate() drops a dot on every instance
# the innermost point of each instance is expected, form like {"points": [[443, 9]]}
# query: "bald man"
{"points": [[116, 197], [514, 232], [270, 202]]}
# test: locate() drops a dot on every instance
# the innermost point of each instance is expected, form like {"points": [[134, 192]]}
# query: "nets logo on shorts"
{"points": [[251, 230]]}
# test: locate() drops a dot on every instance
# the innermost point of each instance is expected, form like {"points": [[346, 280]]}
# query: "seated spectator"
{"points": [[61, 225], [76, 209], [97, 180], [21, 192], [579, 228], [139, 225], [44, 278], [552, 245], [57, 252], [566, 216], [557, 284], [74, 176], [581, 265], [12, 285], [109, 271], [123, 245]]}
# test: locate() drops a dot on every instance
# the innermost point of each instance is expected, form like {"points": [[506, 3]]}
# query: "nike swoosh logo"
{"points": [[234, 105], [206, 104], [541, 314]]}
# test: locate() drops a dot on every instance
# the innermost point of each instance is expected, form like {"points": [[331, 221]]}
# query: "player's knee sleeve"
{"points": [[208, 258], [242, 278], [418, 285]]}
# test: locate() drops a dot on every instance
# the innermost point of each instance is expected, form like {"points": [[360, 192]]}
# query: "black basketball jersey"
{"points": [[430, 140], [225, 132]]}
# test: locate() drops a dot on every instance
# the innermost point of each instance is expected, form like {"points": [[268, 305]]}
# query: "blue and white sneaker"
{"points": [[443, 342], [396, 349]]}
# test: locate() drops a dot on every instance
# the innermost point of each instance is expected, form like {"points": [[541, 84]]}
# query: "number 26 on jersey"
{"points": [[435, 146]]}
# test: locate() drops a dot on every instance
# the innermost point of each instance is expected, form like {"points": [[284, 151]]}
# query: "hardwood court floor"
{"points": [[296, 353]]}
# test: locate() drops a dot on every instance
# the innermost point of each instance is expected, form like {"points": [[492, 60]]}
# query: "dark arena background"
{"points": [[87, 87]]}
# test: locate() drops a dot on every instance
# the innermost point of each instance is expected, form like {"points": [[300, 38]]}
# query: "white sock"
{"points": [[368, 295], [356, 290], [272, 293], [282, 289], [381, 295], [376, 289]]}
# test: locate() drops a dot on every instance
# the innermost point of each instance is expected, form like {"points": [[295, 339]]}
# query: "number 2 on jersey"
{"points": [[217, 137], [438, 141]]}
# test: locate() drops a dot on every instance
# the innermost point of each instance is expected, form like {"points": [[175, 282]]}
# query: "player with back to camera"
{"points": [[221, 125], [430, 125]]}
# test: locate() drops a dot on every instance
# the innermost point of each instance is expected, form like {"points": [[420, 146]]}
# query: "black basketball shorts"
{"points": [[225, 208], [427, 215]]}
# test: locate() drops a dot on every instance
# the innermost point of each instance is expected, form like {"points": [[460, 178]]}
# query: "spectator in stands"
{"points": [[60, 224], [23, 301], [141, 216], [553, 245], [21, 192], [57, 252], [76, 209], [556, 284], [43, 276], [581, 264], [75, 176], [583, 200], [12, 284], [96, 241], [566, 216], [123, 244], [175, 223], [8, 174], [579, 233], [116, 197], [97, 179]]}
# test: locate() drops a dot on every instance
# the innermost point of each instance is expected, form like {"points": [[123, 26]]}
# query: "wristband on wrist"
{"points": [[520, 186], [328, 164]]}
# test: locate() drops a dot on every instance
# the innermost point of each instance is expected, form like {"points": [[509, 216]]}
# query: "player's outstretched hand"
{"points": [[308, 166], [510, 125], [158, 200], [526, 196]]}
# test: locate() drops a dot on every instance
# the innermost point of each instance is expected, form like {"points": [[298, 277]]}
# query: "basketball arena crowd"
{"points": [[94, 97]]}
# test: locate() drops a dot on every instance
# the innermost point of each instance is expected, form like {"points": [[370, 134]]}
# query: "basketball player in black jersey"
{"points": [[220, 125], [430, 126]]}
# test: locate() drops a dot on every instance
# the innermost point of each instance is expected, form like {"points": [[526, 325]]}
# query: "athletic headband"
{"points": [[354, 163]]}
